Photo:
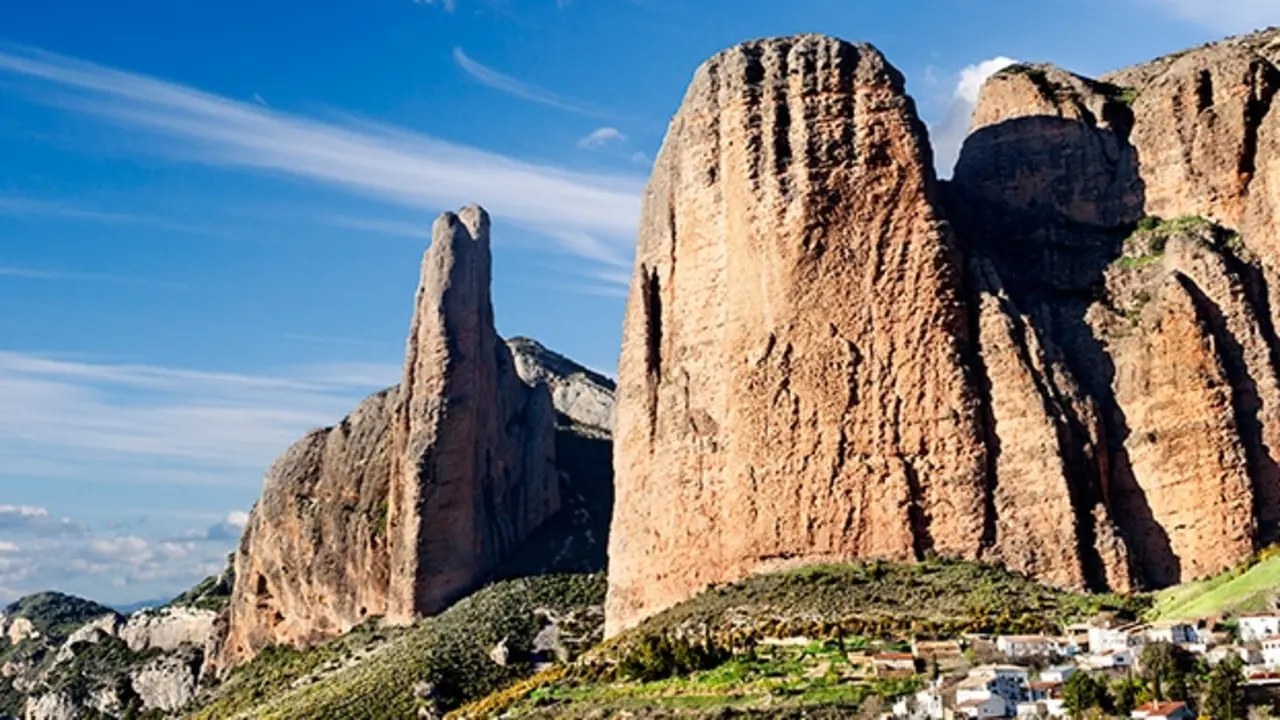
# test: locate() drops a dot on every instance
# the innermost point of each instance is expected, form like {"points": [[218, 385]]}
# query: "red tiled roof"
{"points": [[1045, 685], [893, 656], [1163, 709]]}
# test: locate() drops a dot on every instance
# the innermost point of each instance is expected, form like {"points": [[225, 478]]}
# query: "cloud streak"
{"points": [[150, 424], [22, 273], [601, 137], [491, 78], [367, 159]]}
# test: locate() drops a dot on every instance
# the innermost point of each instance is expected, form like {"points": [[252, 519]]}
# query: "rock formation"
{"points": [[1081, 382], [792, 383], [474, 446], [583, 397], [427, 487]]}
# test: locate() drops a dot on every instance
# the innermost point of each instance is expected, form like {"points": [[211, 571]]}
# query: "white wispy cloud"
{"points": [[110, 567], [390, 228], [34, 521], [24, 273], [1226, 16], [949, 133], [18, 206], [150, 424], [446, 5], [501, 82], [377, 161], [601, 137]]}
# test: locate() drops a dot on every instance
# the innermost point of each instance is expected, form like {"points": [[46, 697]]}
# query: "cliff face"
{"points": [[420, 493], [1080, 383], [792, 383], [314, 558], [1167, 324], [474, 445]]}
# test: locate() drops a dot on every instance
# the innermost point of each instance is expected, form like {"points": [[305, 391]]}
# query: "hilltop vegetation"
{"points": [[936, 597], [720, 651], [440, 663]]}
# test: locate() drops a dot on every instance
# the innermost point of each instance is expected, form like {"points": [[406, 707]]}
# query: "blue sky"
{"points": [[211, 215]]}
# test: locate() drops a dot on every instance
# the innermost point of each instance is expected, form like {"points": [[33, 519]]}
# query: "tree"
{"points": [[1167, 668], [1225, 699], [1082, 693], [1127, 694]]}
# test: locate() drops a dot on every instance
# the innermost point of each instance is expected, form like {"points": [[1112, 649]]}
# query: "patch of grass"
{"points": [[442, 661], [1247, 588], [796, 678]]}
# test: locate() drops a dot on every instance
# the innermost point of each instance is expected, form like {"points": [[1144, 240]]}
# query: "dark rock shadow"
{"points": [[576, 539], [1050, 201]]}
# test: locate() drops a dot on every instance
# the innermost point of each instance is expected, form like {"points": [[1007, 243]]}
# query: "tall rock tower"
{"points": [[475, 446], [416, 496], [792, 384]]}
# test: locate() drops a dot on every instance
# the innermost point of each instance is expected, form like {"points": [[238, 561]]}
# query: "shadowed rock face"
{"points": [[792, 384], [1168, 331], [415, 497]]}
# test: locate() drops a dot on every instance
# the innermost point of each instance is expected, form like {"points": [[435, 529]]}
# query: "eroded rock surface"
{"points": [[474, 445], [792, 384], [414, 498]]}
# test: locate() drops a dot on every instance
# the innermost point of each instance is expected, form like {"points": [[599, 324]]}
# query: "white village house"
{"points": [[1043, 697], [1254, 627], [1174, 632], [924, 705], [1112, 636], [1017, 647], [1271, 651], [992, 691]]}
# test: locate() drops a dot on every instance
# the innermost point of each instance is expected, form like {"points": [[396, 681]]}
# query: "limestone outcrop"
{"points": [[417, 495], [474, 445], [793, 383], [1064, 359]]}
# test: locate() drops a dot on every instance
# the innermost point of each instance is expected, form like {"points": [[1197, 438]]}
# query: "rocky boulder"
{"points": [[584, 397], [169, 629], [166, 683]]}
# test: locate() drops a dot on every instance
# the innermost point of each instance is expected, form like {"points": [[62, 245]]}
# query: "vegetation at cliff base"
{"points": [[795, 641], [439, 663], [1249, 587], [933, 598]]}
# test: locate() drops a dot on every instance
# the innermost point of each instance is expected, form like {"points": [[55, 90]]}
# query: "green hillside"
{"points": [[443, 661], [720, 652], [1248, 588]]}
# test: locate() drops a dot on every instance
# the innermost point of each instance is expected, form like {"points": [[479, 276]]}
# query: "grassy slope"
{"points": [[872, 606], [1247, 588], [449, 651]]}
